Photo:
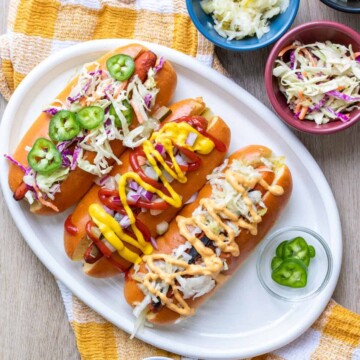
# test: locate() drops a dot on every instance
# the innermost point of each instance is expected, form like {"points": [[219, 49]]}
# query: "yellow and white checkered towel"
{"points": [[38, 28]]}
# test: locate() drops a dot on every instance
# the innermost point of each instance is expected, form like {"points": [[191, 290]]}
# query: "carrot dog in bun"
{"points": [[114, 103], [118, 219], [210, 238]]}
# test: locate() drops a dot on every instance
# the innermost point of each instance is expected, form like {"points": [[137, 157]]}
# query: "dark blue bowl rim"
{"points": [[343, 8], [237, 47]]}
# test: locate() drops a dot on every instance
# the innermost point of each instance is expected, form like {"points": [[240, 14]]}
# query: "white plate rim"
{"points": [[228, 86]]}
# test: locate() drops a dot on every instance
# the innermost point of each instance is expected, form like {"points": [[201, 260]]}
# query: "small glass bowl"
{"points": [[319, 269]]}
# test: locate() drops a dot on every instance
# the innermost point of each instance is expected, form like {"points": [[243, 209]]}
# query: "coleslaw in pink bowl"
{"points": [[312, 77]]}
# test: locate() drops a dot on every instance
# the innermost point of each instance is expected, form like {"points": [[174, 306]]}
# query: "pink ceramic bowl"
{"points": [[308, 33]]}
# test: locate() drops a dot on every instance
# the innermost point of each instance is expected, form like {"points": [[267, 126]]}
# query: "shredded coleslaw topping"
{"points": [[96, 87], [223, 194]]}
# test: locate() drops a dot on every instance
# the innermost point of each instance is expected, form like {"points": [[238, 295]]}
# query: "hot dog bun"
{"points": [[76, 245], [78, 182], [245, 240]]}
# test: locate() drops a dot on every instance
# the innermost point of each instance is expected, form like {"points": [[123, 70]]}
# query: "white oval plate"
{"points": [[242, 319]]}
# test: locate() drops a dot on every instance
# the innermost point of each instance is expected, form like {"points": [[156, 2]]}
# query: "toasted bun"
{"points": [[247, 242], [78, 182], [75, 245], [196, 179]]}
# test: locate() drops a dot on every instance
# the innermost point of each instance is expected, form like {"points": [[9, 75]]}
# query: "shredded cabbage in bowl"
{"points": [[321, 81], [236, 19]]}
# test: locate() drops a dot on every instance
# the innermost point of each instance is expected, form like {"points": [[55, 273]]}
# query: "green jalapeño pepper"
{"points": [[297, 249], [280, 249], [291, 273], [120, 67], [275, 262], [128, 114], [312, 251], [44, 157], [63, 126], [90, 117]]}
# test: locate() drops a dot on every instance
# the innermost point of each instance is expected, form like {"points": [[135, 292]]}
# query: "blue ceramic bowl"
{"points": [[278, 26], [349, 6]]}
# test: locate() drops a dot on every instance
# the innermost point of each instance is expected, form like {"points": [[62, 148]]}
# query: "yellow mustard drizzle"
{"points": [[212, 264], [170, 134], [174, 200], [113, 233], [179, 132]]}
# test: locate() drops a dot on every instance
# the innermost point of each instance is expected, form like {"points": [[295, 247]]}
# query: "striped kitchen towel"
{"points": [[38, 28], [334, 336]]}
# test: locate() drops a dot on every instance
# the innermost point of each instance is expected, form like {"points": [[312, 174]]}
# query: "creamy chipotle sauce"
{"points": [[211, 263]]}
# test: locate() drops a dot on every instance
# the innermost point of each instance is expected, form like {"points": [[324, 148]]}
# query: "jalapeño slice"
{"points": [[297, 248], [280, 249], [63, 126], [275, 262], [90, 117], [44, 157], [120, 67], [291, 273], [128, 114], [312, 251]]}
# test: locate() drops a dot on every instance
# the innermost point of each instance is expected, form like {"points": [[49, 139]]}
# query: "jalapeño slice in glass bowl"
{"points": [[282, 263]]}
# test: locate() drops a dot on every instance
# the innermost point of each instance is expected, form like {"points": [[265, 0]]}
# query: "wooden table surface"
{"points": [[32, 317]]}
